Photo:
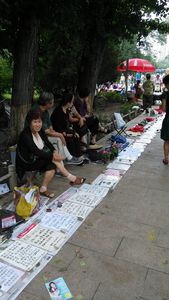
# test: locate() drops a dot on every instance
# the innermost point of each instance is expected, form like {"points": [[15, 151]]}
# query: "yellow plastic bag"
{"points": [[26, 200]]}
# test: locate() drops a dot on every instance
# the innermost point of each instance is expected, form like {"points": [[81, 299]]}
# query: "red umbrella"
{"points": [[137, 65]]}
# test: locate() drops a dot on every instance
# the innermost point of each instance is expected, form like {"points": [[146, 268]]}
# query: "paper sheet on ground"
{"points": [[79, 210], [45, 238], [22, 255], [118, 166], [60, 290], [106, 181], [62, 198], [60, 221], [96, 191], [4, 188], [85, 198], [118, 173], [8, 276]]}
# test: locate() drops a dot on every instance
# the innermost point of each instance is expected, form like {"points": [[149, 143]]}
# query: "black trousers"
{"points": [[73, 145]]}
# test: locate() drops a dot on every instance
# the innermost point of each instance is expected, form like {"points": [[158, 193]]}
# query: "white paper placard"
{"points": [[22, 255], [8, 277], [62, 198], [76, 209], [96, 191], [106, 181], [45, 238], [85, 198], [113, 172], [118, 166], [4, 188], [126, 160], [60, 221]]}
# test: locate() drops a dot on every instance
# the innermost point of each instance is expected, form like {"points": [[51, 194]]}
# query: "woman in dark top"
{"points": [[165, 124], [36, 153], [60, 122]]}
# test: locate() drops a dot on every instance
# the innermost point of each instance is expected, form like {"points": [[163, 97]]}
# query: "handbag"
{"points": [[26, 199]]}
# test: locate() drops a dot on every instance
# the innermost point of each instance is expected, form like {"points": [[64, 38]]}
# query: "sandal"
{"points": [[78, 181], [165, 161], [47, 194]]}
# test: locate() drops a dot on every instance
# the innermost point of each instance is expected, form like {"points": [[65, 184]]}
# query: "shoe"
{"points": [[47, 194], [78, 181], [165, 161], [86, 160], [74, 161], [58, 174]]}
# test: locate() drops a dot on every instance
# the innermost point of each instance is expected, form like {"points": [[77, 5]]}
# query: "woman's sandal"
{"points": [[78, 181], [165, 161], [47, 194]]}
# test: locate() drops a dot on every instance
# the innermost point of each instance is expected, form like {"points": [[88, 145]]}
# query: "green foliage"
{"points": [[126, 108], [5, 75], [111, 96]]}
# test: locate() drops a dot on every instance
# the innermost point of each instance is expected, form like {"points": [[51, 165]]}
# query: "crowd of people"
{"points": [[48, 143]]}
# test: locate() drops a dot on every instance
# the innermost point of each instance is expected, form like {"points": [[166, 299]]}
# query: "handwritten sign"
{"points": [[22, 255], [61, 221], [79, 210], [118, 166], [106, 181], [96, 191], [8, 277], [45, 238]]}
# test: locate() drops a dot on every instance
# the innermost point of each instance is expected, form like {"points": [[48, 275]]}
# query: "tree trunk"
{"points": [[90, 64], [24, 68]]}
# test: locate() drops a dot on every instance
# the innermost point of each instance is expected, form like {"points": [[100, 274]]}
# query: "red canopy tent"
{"points": [[137, 65]]}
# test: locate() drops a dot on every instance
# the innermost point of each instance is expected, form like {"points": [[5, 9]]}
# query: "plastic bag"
{"points": [[26, 200]]}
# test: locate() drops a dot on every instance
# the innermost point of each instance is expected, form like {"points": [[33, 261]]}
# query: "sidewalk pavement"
{"points": [[121, 251]]}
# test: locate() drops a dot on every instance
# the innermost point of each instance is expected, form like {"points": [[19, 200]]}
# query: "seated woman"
{"points": [[61, 123], [35, 153], [82, 106]]}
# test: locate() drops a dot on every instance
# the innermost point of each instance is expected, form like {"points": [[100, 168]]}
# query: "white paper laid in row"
{"points": [[76, 209], [9, 276], [96, 191], [118, 166], [60, 221], [45, 238], [113, 172], [22, 255], [106, 181], [84, 198]]}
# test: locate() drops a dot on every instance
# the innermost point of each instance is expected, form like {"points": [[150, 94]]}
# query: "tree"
{"points": [[109, 19]]}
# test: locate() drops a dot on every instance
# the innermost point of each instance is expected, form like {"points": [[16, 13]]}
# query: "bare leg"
{"points": [[93, 139], [166, 150], [64, 171], [48, 177]]}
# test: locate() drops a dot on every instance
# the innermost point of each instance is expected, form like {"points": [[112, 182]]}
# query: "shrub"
{"points": [[126, 108]]}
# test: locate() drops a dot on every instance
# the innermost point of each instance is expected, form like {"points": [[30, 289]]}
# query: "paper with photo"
{"points": [[58, 289], [22, 255], [45, 238], [76, 209], [60, 221], [118, 166], [106, 181], [8, 277]]}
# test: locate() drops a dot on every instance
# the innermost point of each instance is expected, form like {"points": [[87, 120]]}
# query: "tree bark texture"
{"points": [[24, 68], [90, 64]]}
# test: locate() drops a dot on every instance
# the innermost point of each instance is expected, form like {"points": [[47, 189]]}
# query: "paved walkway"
{"points": [[121, 252]]}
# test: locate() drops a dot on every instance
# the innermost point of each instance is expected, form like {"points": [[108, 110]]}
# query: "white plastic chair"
{"points": [[119, 124]]}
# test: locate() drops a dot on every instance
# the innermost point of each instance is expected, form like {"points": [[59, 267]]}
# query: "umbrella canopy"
{"points": [[137, 65]]}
